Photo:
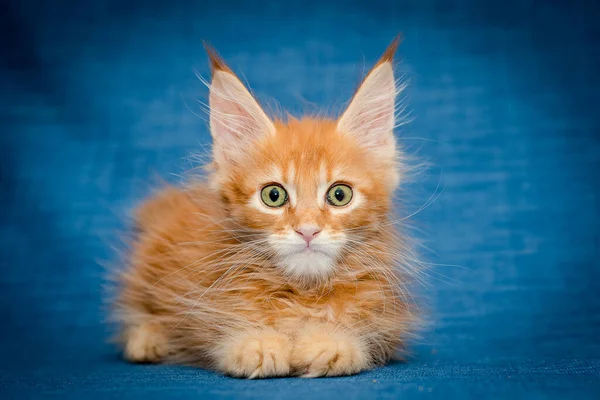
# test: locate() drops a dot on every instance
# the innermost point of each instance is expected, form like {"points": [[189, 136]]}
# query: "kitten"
{"points": [[285, 260]]}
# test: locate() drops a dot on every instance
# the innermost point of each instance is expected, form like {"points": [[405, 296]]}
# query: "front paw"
{"points": [[260, 354], [319, 352], [145, 343]]}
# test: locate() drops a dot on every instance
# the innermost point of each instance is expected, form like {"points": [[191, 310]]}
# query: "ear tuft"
{"points": [[216, 61], [390, 52]]}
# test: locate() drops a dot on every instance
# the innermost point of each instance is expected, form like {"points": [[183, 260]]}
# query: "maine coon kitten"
{"points": [[285, 260]]}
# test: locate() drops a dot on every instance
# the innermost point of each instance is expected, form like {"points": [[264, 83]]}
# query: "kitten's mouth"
{"points": [[309, 249]]}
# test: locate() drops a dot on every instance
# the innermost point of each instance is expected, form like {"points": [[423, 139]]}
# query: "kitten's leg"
{"points": [[321, 350], [145, 343], [258, 353]]}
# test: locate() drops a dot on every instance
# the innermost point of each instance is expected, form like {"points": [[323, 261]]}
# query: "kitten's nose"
{"points": [[308, 232]]}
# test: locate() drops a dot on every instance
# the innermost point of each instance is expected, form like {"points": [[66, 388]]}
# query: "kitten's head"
{"points": [[311, 188]]}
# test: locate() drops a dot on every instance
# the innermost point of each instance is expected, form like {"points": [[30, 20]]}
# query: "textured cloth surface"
{"points": [[99, 98]]}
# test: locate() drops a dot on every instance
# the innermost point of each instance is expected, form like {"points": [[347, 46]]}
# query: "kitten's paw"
{"points": [[320, 353], [145, 344], [261, 354]]}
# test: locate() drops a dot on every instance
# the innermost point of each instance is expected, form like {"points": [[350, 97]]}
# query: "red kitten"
{"points": [[285, 261]]}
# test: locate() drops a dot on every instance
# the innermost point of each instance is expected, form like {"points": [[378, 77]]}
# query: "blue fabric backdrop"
{"points": [[99, 97]]}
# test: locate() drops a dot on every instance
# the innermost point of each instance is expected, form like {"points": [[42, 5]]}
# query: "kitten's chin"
{"points": [[307, 266]]}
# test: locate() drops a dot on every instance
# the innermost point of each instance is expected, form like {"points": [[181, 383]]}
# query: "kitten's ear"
{"points": [[370, 116], [236, 118]]}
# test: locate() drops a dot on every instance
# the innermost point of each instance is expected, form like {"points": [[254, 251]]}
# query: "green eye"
{"points": [[339, 195], [274, 196]]}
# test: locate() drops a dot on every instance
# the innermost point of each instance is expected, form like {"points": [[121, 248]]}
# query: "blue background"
{"points": [[98, 98]]}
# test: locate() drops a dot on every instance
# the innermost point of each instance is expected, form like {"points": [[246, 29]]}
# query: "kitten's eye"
{"points": [[339, 195], [274, 196]]}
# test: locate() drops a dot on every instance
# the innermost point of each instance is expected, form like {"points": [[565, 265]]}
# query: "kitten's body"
{"points": [[218, 279]]}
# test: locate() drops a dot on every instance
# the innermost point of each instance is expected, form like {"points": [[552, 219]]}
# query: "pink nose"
{"points": [[308, 233]]}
